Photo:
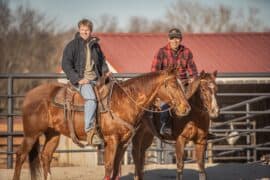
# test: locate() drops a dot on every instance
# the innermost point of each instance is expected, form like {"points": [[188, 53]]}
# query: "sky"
{"points": [[68, 12]]}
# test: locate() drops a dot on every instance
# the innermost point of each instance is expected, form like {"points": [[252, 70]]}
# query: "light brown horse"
{"points": [[202, 98], [128, 101]]}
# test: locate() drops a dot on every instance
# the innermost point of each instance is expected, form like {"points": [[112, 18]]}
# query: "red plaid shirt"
{"points": [[182, 58]]}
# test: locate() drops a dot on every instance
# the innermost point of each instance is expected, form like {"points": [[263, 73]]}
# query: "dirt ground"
{"points": [[230, 171]]}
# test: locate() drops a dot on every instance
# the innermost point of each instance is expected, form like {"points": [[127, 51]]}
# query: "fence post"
{"points": [[248, 135], [10, 123], [210, 147], [254, 142]]}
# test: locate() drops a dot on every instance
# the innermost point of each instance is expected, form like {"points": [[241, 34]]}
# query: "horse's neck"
{"points": [[139, 100], [149, 87]]}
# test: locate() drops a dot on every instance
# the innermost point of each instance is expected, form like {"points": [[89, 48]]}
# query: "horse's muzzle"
{"points": [[182, 110], [214, 113]]}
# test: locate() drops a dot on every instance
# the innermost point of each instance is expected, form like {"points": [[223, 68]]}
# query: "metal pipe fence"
{"points": [[248, 132]]}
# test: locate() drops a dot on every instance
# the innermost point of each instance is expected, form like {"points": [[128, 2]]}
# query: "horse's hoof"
{"points": [[109, 178], [202, 176], [179, 176]]}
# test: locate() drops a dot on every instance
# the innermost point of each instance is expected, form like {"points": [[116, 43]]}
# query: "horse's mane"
{"points": [[194, 86], [206, 76], [144, 81], [143, 78]]}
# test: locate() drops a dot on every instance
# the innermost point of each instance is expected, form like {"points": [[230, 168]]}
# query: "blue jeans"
{"points": [[90, 105], [164, 116]]}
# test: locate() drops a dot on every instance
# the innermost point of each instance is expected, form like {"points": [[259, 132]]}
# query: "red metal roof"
{"points": [[232, 52]]}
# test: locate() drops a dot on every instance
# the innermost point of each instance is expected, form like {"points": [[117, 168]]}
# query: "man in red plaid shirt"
{"points": [[174, 54]]}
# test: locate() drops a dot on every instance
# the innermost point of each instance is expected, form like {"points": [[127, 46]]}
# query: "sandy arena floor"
{"points": [[228, 171]]}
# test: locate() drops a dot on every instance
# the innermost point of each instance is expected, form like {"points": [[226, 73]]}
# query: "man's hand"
{"points": [[190, 80], [108, 74], [83, 81]]}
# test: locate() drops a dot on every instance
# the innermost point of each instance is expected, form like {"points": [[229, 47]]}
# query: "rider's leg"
{"points": [[164, 119], [90, 106]]}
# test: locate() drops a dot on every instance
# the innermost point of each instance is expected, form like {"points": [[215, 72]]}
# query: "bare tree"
{"points": [[138, 24], [5, 17], [193, 17], [28, 44], [107, 23]]}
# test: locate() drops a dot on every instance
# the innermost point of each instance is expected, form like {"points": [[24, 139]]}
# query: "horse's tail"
{"points": [[34, 161]]}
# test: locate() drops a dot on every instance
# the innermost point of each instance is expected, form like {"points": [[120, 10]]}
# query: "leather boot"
{"points": [[93, 138], [165, 129]]}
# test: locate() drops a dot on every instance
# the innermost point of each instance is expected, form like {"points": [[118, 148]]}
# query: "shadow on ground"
{"points": [[229, 171]]}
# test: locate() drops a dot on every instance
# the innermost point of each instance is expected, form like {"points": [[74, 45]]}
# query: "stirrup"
{"points": [[93, 138], [165, 130]]}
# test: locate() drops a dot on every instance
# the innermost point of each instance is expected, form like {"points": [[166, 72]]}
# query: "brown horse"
{"points": [[201, 94], [118, 125]]}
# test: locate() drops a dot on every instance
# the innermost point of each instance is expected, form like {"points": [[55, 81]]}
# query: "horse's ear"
{"points": [[176, 70], [215, 73], [192, 88], [202, 73]]}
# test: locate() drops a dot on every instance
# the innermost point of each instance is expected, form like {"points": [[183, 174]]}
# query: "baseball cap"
{"points": [[175, 33]]}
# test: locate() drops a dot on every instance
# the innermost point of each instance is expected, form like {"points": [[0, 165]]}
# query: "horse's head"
{"points": [[172, 93], [207, 89]]}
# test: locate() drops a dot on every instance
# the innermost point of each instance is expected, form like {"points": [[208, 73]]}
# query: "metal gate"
{"points": [[239, 121]]}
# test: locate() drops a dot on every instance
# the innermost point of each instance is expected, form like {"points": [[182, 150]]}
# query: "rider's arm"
{"points": [[68, 64], [191, 66], [157, 61]]}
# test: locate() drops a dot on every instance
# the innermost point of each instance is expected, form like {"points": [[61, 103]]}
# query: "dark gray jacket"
{"points": [[74, 59]]}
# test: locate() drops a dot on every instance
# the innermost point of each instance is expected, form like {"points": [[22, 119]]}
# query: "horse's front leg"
{"points": [[117, 161], [140, 142], [111, 144], [180, 146], [200, 148], [137, 156]]}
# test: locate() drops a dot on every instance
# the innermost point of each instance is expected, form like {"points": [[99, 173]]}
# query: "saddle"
{"points": [[68, 95], [69, 99]]}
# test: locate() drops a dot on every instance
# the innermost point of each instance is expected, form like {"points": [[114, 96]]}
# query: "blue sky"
{"points": [[68, 12]]}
